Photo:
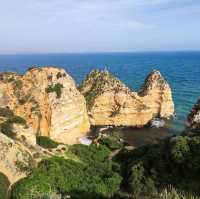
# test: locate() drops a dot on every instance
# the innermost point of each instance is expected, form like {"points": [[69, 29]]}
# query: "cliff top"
{"points": [[98, 82], [153, 81]]}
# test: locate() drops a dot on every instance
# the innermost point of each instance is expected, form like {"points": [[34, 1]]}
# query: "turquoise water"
{"points": [[181, 69]]}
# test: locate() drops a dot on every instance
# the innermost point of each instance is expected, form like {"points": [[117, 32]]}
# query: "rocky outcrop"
{"points": [[193, 119], [15, 158], [48, 100], [110, 102], [156, 94]]}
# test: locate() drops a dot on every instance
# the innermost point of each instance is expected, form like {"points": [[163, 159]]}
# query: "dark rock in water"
{"points": [[193, 119]]}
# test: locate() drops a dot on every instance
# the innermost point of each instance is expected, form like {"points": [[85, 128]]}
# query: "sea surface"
{"points": [[181, 69]]}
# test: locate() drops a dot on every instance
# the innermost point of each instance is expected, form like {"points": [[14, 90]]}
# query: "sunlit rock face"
{"points": [[48, 100], [193, 119], [110, 102], [14, 158]]}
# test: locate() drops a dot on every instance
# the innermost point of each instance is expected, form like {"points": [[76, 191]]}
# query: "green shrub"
{"points": [[10, 79], [6, 112], [6, 127], [91, 177], [59, 75], [57, 88], [113, 141], [90, 154], [17, 119], [4, 185], [17, 85], [46, 142], [174, 161]]}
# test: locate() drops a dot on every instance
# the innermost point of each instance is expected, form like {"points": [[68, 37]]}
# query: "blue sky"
{"points": [[42, 26]]}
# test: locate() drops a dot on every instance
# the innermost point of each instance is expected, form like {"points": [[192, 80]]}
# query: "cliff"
{"points": [[110, 102], [15, 158], [193, 119], [49, 102]]}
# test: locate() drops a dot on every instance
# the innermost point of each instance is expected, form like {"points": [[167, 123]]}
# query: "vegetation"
{"points": [[174, 161], [6, 126], [17, 84], [4, 185], [57, 88], [169, 169], [23, 100], [6, 112], [59, 75], [113, 141], [172, 193], [46, 142], [91, 177], [11, 79], [98, 82]]}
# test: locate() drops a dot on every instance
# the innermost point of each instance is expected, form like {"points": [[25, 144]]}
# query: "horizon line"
{"points": [[97, 52]]}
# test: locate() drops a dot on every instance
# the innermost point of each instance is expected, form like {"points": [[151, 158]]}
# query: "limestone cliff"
{"points": [[14, 158], [48, 100], [193, 119], [110, 102]]}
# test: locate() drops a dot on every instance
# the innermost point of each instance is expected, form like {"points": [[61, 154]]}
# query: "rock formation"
{"points": [[193, 119], [14, 158], [110, 102], [48, 100]]}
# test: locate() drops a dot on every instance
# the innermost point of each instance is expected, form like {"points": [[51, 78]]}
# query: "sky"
{"points": [[67, 26]]}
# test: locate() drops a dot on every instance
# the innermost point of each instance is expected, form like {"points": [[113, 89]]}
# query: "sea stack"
{"points": [[47, 98], [193, 119], [111, 102]]}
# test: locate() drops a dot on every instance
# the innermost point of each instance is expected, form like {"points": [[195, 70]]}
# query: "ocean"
{"points": [[181, 69]]}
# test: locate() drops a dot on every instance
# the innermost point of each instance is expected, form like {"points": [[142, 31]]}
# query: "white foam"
{"points": [[157, 123], [85, 141]]}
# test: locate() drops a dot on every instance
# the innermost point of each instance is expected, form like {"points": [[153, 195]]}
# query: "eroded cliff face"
{"points": [[156, 94], [15, 158], [110, 102], [193, 119], [48, 100]]}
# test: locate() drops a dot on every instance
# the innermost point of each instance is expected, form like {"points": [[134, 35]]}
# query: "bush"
{"points": [[46, 142], [88, 178], [57, 88], [113, 141], [17, 84], [6, 112], [17, 119], [174, 161], [6, 127], [90, 153], [4, 185]]}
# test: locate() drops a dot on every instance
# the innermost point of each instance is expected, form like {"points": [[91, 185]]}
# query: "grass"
{"points": [[172, 193]]}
